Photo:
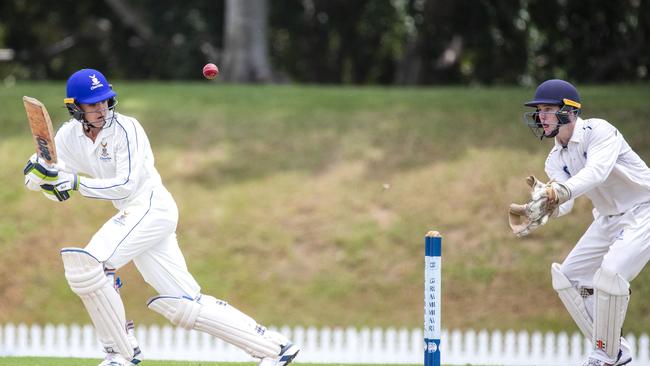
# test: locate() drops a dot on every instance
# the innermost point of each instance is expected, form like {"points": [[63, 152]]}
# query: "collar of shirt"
{"points": [[106, 131], [578, 133]]}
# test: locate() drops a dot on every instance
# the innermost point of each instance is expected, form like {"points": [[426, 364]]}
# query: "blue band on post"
{"points": [[433, 246]]}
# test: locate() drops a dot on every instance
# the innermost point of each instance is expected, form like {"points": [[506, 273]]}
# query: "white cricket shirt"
{"points": [[118, 166], [599, 163]]}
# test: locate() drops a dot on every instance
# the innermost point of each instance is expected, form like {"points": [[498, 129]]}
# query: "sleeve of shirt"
{"points": [[603, 146], [555, 171], [128, 161]]}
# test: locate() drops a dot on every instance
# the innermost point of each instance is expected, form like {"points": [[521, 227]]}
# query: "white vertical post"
{"points": [[22, 345], [351, 345], [432, 297]]}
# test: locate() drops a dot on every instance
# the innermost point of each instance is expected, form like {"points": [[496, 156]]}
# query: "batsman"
{"points": [[105, 155], [590, 157]]}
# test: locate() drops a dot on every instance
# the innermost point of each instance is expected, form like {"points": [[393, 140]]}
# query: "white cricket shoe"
{"points": [[624, 354], [624, 357], [287, 354], [115, 359]]}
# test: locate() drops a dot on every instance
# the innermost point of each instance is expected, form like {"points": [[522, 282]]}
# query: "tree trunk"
{"points": [[246, 56], [127, 14], [409, 67]]}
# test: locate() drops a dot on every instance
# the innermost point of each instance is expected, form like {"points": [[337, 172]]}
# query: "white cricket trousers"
{"points": [[145, 232], [618, 243]]}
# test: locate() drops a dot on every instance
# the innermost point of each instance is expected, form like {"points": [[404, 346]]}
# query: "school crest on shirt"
{"points": [[104, 155], [121, 219], [619, 236]]}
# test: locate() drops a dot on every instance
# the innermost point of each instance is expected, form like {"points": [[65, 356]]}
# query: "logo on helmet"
{"points": [[95, 82]]}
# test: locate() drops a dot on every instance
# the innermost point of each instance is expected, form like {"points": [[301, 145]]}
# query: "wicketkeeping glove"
{"points": [[546, 199]]}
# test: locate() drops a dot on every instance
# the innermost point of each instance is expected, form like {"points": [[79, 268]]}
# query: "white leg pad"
{"points": [[221, 320], [612, 294], [572, 300], [86, 277]]}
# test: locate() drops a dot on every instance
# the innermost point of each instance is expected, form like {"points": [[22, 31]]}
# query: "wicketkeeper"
{"points": [[590, 157], [108, 157]]}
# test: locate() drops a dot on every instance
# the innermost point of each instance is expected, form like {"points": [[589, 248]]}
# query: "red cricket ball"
{"points": [[210, 71]]}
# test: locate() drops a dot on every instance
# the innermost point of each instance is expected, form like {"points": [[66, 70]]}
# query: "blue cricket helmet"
{"points": [[89, 86], [556, 92]]}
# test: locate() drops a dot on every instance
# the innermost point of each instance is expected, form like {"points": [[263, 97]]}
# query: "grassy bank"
{"points": [[308, 205]]}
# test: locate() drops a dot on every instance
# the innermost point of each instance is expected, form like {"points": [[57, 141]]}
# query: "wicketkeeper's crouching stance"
{"points": [[113, 151], [590, 158]]}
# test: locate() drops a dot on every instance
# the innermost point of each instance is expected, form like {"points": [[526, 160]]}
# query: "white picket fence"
{"points": [[325, 345]]}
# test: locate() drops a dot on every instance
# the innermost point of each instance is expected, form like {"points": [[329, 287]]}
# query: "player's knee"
{"points": [[85, 274], [559, 279], [181, 311], [611, 282]]}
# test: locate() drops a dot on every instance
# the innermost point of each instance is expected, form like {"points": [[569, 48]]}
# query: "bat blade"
{"points": [[41, 126]]}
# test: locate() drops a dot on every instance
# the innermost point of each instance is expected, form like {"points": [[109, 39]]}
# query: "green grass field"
{"points": [[307, 205], [44, 361]]}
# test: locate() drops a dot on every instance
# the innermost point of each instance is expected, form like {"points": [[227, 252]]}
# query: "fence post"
{"points": [[643, 349]]}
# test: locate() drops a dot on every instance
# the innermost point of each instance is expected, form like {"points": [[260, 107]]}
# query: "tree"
{"points": [[246, 43]]}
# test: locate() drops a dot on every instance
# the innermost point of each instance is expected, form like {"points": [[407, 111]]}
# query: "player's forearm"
{"points": [[111, 189], [589, 178]]}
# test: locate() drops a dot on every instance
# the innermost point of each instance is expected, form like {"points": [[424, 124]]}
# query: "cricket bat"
{"points": [[41, 126]]}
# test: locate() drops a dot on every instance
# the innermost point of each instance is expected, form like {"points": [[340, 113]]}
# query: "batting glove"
{"points": [[37, 172], [61, 189]]}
